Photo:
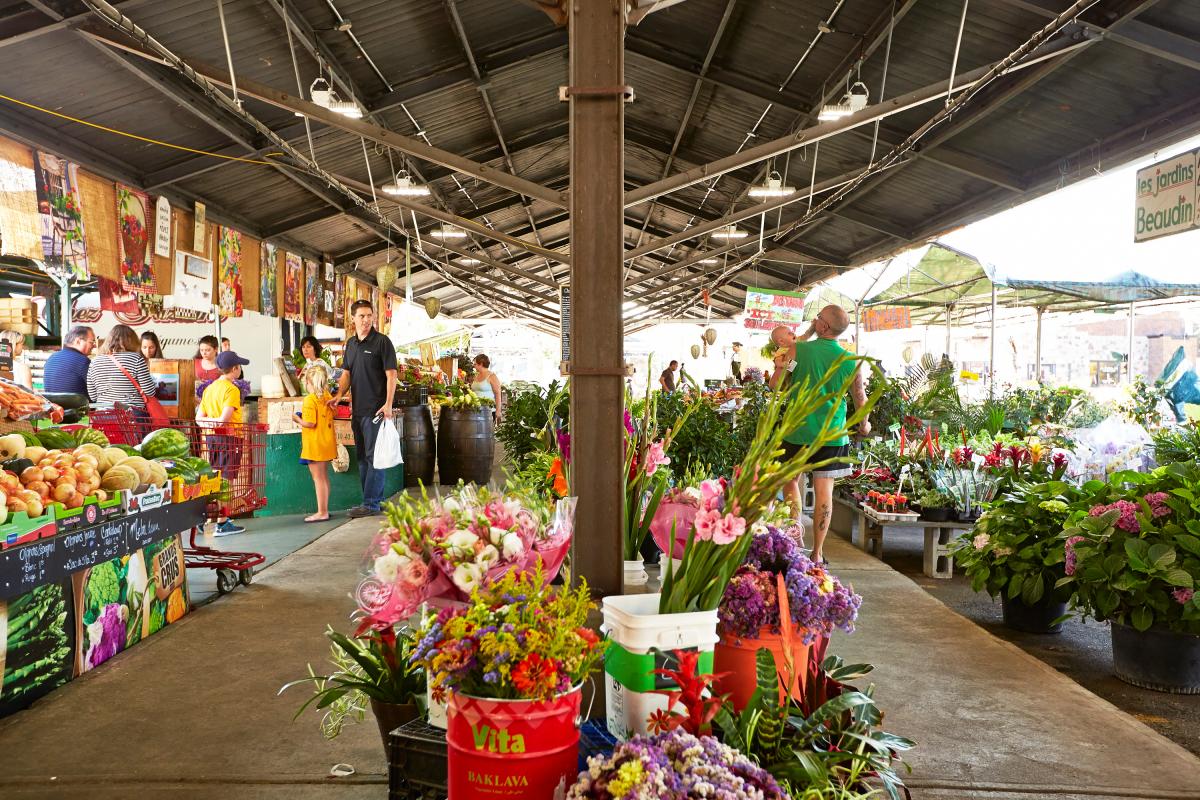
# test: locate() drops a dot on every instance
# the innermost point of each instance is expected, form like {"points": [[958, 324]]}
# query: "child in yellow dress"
{"points": [[317, 443]]}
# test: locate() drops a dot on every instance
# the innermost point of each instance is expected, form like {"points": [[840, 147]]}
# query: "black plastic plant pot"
{"points": [[937, 514], [964, 516], [1162, 660], [1037, 618]]}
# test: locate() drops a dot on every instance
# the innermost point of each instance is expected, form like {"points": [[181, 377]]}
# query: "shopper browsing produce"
{"points": [[221, 404], [735, 363], [66, 371], [667, 379], [370, 378], [317, 443], [120, 374], [486, 384], [21, 372], [808, 363], [151, 348]]}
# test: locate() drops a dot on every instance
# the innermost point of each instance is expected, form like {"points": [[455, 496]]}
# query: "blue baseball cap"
{"points": [[229, 358]]}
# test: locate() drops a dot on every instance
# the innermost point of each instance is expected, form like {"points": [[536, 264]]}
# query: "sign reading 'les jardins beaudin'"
{"points": [[1166, 197], [767, 308]]}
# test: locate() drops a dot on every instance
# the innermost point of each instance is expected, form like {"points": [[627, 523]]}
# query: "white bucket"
{"points": [[636, 628], [635, 573], [436, 712]]}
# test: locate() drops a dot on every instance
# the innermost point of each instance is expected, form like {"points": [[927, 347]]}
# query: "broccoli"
{"points": [[158, 615], [103, 588]]}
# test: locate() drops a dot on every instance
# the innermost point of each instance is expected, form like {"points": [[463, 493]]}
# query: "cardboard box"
{"points": [[343, 432]]}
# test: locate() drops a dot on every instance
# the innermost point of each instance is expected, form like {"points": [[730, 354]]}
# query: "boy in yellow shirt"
{"points": [[221, 404]]}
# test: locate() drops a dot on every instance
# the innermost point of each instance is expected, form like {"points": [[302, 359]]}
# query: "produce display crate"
{"points": [[148, 498], [181, 491], [18, 314], [92, 511], [19, 528]]}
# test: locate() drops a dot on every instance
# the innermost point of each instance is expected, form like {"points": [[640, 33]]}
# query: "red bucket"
{"points": [[512, 748], [734, 660]]}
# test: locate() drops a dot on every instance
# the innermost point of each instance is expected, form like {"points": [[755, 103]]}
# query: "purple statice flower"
{"points": [[773, 551], [711, 769], [749, 604], [1069, 551], [1183, 596]]}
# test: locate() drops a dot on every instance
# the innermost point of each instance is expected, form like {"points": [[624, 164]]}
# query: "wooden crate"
{"points": [[18, 314]]}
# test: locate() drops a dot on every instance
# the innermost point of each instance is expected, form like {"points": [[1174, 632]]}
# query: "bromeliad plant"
{"points": [[717, 543], [1016, 546], [1132, 549], [375, 666], [519, 639]]}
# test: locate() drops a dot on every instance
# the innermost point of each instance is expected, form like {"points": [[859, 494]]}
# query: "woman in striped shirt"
{"points": [[108, 384]]}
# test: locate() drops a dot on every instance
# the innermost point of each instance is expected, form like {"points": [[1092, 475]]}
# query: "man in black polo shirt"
{"points": [[370, 376]]}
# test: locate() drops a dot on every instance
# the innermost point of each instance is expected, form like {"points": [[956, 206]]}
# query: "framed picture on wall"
{"points": [[196, 266]]}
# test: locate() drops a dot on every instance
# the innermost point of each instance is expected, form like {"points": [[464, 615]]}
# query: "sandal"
{"points": [[317, 519]]}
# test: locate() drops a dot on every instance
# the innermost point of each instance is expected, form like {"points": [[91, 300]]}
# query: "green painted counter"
{"points": [[289, 485]]}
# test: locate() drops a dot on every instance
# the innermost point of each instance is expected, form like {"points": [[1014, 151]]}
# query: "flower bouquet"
{"points": [[673, 519], [782, 601], [512, 664]]}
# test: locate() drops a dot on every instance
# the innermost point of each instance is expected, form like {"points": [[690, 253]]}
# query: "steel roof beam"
{"points": [[824, 130], [62, 22]]}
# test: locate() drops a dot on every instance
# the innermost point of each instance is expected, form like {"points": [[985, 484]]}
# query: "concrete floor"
{"points": [[193, 712]]}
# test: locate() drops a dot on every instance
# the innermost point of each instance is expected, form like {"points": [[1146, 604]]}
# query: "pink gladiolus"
{"points": [[712, 494], [707, 523], [656, 457], [729, 530]]}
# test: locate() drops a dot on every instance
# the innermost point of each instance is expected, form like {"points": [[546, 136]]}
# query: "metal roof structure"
{"points": [[464, 95]]}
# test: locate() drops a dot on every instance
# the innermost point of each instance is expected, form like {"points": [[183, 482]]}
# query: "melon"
{"points": [[139, 465], [158, 474], [115, 455], [165, 443], [120, 477]]}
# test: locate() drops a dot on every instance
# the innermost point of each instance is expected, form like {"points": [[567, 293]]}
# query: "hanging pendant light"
{"points": [[729, 232], [695, 351], [710, 336], [432, 306], [404, 186], [385, 276], [772, 188]]}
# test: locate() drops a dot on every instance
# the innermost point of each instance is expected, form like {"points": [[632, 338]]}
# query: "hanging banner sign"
{"points": [[1166, 197], [200, 229], [564, 321], [769, 308], [886, 319], [162, 227]]}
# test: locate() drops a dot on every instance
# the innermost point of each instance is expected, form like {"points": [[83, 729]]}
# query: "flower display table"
{"points": [[938, 535]]}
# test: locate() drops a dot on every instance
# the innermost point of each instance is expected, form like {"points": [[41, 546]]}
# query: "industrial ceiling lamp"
{"points": [[772, 188], [709, 261], [385, 276], [468, 261], [855, 99], [729, 232], [448, 232], [432, 306], [326, 98], [710, 336], [404, 186]]}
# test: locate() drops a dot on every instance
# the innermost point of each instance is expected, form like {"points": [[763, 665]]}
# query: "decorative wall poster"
{"points": [[325, 293], [312, 292], [115, 297], [133, 240], [386, 327], [229, 272], [339, 301], [767, 308], [38, 654], [200, 229], [268, 272], [19, 221], [893, 318], [193, 283], [63, 243], [293, 287], [162, 227]]}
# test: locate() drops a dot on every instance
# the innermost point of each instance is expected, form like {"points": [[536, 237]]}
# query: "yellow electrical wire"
{"points": [[146, 139]]}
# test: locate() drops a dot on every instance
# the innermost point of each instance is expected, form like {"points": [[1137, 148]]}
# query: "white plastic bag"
{"points": [[387, 445]]}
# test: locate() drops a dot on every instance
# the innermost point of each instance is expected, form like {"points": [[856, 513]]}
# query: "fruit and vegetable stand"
{"points": [[72, 599]]}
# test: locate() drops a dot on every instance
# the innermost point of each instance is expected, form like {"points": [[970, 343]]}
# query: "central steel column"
{"points": [[597, 73]]}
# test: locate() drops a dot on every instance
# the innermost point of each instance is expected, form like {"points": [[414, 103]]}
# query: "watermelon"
{"points": [[164, 443], [129, 451], [179, 468], [90, 436], [30, 439], [200, 466], [56, 439]]}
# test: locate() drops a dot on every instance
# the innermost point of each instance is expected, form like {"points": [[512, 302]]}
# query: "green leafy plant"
{"points": [[1144, 402], [824, 746], [935, 498], [754, 400], [1173, 445], [1016, 546], [705, 438], [377, 666], [1132, 549], [530, 418]]}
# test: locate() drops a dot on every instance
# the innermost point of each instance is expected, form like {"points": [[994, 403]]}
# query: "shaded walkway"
{"points": [[192, 712]]}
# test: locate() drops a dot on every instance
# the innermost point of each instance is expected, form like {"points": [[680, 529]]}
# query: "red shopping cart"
{"points": [[238, 452]]}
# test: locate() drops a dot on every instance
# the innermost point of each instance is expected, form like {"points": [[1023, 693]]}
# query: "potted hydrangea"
{"points": [[1015, 552], [1132, 556]]}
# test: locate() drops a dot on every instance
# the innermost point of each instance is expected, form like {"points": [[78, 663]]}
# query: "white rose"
{"points": [[463, 541], [388, 565], [451, 505], [467, 577], [497, 535]]}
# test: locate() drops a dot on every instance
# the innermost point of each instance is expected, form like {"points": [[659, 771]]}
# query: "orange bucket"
{"points": [[734, 658]]}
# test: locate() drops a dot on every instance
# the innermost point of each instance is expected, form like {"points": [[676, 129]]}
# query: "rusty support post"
{"points": [[597, 31]]}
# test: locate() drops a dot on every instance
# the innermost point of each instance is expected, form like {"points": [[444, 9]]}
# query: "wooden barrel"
{"points": [[419, 445], [466, 446]]}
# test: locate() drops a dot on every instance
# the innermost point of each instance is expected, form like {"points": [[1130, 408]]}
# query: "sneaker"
{"points": [[227, 528], [361, 511]]}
